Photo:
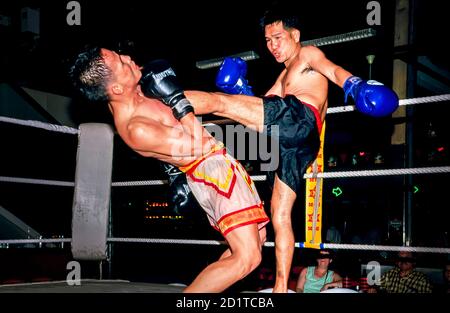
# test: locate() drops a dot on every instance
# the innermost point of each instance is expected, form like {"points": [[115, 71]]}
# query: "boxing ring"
{"points": [[99, 251], [91, 237]]}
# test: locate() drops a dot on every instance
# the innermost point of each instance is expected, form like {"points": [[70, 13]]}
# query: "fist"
{"points": [[371, 97], [231, 77]]}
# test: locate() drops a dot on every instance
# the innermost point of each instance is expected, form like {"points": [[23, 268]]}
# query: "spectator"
{"points": [[314, 279], [404, 278]]}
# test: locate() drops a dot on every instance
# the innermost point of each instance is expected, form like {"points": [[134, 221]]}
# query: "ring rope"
{"points": [[216, 243], [342, 174], [168, 241], [42, 125], [403, 102], [385, 248], [340, 109], [36, 181], [39, 240], [430, 99], [69, 130], [139, 183], [388, 172]]}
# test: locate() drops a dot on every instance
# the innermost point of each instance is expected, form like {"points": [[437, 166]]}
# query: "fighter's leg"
{"points": [[282, 201], [245, 110], [262, 238], [245, 247]]}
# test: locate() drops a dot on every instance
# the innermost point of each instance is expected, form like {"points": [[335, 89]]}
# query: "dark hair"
{"points": [[89, 74], [320, 255], [277, 13]]}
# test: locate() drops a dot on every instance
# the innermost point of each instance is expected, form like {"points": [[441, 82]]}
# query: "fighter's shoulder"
{"points": [[139, 121], [312, 52]]}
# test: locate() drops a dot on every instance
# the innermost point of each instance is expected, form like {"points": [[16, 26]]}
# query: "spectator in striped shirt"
{"points": [[404, 278]]}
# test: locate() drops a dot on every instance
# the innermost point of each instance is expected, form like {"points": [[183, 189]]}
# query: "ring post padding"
{"points": [[90, 211]]}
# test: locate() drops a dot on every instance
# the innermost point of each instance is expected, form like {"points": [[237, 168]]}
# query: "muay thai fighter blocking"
{"points": [[297, 103]]}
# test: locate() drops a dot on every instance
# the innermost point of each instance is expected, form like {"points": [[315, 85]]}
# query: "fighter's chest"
{"points": [[297, 77]]}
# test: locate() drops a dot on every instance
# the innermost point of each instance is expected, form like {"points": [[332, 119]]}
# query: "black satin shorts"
{"points": [[298, 136]]}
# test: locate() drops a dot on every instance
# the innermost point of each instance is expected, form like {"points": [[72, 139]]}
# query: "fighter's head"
{"points": [[279, 14], [90, 74], [282, 33]]}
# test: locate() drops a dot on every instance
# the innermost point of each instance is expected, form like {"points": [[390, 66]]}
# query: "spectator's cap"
{"points": [[324, 254]]}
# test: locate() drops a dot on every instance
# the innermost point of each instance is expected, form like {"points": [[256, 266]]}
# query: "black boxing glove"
{"points": [[159, 81], [180, 194]]}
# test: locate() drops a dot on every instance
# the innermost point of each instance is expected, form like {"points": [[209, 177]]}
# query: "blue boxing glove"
{"points": [[371, 97], [231, 77]]}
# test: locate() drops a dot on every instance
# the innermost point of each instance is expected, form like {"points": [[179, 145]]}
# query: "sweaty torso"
{"points": [[302, 81], [156, 113]]}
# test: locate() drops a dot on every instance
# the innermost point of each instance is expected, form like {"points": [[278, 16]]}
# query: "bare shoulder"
{"points": [[312, 52], [304, 270], [124, 127], [140, 120]]}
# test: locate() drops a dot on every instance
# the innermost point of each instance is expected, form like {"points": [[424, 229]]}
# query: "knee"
{"points": [[253, 262], [250, 261]]}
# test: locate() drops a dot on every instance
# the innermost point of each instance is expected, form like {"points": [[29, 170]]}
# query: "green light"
{"points": [[416, 189], [337, 191]]}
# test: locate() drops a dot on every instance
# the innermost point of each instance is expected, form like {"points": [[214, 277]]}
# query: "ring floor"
{"points": [[91, 286]]}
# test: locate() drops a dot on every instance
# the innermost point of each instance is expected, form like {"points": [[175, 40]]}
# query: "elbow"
{"points": [[336, 76]]}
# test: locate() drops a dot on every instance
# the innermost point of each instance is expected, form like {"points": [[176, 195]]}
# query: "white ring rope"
{"points": [[168, 241], [342, 174], [216, 243], [403, 102], [42, 125], [340, 109], [140, 183], [31, 241], [385, 248], [430, 99], [388, 172], [36, 181]]}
